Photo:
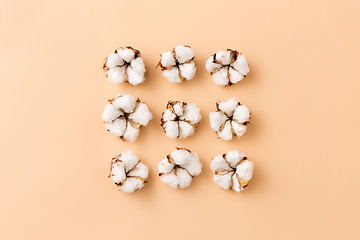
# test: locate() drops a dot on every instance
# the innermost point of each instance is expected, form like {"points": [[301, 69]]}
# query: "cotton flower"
{"points": [[232, 170], [128, 173], [179, 167], [178, 65], [227, 67], [125, 65], [180, 119], [230, 119], [125, 116]]}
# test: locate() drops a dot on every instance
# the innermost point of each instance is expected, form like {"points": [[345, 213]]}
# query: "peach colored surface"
{"points": [[303, 92]]}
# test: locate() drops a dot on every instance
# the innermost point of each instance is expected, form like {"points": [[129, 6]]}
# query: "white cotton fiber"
{"points": [[131, 133], [167, 59], [239, 129], [191, 113], [110, 113], [221, 77], [125, 65], [165, 166], [128, 173], [226, 132], [232, 171], [210, 66], [217, 119], [114, 61], [228, 106], [171, 129], [172, 75], [245, 170], [188, 70], [224, 57], [241, 114], [126, 102], [178, 68], [178, 169], [241, 65], [117, 127], [180, 120], [183, 53], [142, 115], [228, 68]]}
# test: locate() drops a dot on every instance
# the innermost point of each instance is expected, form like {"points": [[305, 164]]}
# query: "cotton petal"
{"points": [[235, 76], [171, 129], [131, 185], [168, 115], [178, 108], [167, 59], [245, 170], [114, 60], [217, 119], [118, 172], [224, 181], [183, 53], [186, 129], [181, 156], [219, 165], [172, 75], [191, 113], [116, 75], [234, 157], [193, 166], [170, 179], [141, 170], [221, 77], [117, 127], [110, 113], [241, 64], [224, 57], [126, 102], [235, 184], [228, 106], [239, 129], [165, 166], [241, 114], [210, 66], [183, 177], [134, 77], [126, 54], [129, 159], [188, 70], [131, 133], [138, 66], [226, 132], [142, 115]]}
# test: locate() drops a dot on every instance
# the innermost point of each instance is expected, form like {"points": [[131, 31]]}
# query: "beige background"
{"points": [[303, 92]]}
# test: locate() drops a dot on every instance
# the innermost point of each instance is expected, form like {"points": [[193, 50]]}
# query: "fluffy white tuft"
{"points": [[226, 132], [191, 113], [131, 133], [126, 102], [245, 170], [117, 127], [117, 75], [210, 66], [224, 57], [235, 76], [165, 166], [172, 75], [188, 70], [239, 129], [183, 54], [134, 77], [171, 129], [221, 77], [217, 119], [114, 60], [241, 64], [142, 115], [223, 181], [234, 157], [219, 164], [110, 113], [168, 115], [186, 129], [241, 114], [228, 106], [127, 54], [167, 59]]}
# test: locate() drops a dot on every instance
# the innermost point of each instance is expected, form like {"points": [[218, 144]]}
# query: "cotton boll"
{"points": [[165, 166], [218, 164], [235, 183], [226, 132], [210, 66], [191, 113], [235, 76], [142, 115], [131, 133], [234, 157], [141, 170], [228, 106], [239, 129], [245, 170], [170, 179], [183, 53], [125, 102], [138, 66], [241, 64], [110, 113], [186, 129], [167, 59], [127, 54], [188, 70], [224, 57], [131, 185], [178, 108], [224, 181], [117, 127], [217, 119], [114, 60], [118, 172], [134, 77], [116, 75], [172, 75], [168, 115], [221, 77], [171, 129], [183, 177], [241, 114], [129, 159]]}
